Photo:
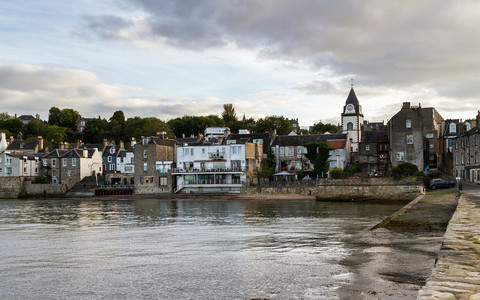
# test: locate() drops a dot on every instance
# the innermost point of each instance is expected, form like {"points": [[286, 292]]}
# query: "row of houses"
{"points": [[220, 161]]}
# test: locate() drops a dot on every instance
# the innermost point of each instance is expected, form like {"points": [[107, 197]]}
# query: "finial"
{"points": [[351, 84]]}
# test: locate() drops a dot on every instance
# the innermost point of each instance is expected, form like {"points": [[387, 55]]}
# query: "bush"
{"points": [[419, 174], [404, 169], [351, 169], [337, 173], [41, 179]]}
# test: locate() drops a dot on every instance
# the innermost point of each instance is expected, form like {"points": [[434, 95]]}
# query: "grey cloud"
{"points": [[391, 43]]}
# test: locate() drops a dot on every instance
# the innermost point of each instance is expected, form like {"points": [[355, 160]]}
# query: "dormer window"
{"points": [[408, 123], [468, 126], [453, 128]]}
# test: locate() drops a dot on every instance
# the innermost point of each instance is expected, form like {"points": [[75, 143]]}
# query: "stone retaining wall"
{"points": [[10, 186], [43, 190]]}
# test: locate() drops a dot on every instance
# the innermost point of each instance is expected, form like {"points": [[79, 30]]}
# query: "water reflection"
{"points": [[186, 249]]}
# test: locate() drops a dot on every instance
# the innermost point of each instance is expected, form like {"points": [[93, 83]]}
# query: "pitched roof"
{"points": [[300, 140], [160, 141], [336, 144], [23, 145], [250, 138], [374, 136], [352, 98]]}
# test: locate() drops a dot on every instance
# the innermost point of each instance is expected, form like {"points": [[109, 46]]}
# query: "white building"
{"points": [[125, 162], [352, 120], [215, 168], [20, 164]]}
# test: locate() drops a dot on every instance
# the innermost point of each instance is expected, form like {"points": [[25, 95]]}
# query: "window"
{"points": [[370, 158], [45, 162], [145, 166], [400, 156], [112, 167], [145, 152], [453, 128], [145, 142], [456, 159], [367, 147], [203, 151], [349, 126], [25, 170], [69, 173], [128, 169], [186, 152], [408, 123], [333, 164], [431, 146], [234, 150], [476, 142], [64, 162], [468, 126], [74, 162], [54, 162], [429, 135], [163, 181], [476, 157], [410, 139], [109, 159]]}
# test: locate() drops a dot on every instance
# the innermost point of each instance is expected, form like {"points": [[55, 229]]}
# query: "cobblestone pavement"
{"points": [[456, 274]]}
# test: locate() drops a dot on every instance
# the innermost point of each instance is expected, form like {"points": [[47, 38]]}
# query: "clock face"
{"points": [[350, 107]]}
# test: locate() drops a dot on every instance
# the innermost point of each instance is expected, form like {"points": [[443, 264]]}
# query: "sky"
{"points": [[291, 58]]}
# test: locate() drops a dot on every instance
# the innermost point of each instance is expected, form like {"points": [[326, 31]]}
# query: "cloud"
{"points": [[408, 44], [26, 88]]}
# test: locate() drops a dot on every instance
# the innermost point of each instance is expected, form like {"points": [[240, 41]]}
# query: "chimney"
{"points": [[62, 145], [85, 152], [406, 105], [11, 139], [183, 135], [3, 142], [133, 142], [122, 145], [40, 143], [105, 143]]}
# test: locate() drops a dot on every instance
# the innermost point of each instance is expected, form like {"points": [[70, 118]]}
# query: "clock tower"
{"points": [[352, 120]]}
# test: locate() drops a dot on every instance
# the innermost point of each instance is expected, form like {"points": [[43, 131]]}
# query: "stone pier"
{"points": [[456, 274]]}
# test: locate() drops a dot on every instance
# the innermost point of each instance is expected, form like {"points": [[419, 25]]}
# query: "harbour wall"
{"points": [[383, 189]]}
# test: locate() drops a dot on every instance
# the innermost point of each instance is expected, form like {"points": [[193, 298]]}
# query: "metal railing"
{"points": [[209, 170]]}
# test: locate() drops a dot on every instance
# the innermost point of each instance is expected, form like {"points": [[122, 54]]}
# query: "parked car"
{"points": [[439, 183]]}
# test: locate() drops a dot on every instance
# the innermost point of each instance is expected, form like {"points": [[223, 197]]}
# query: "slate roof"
{"points": [[300, 140], [23, 145], [250, 137], [372, 136], [352, 98], [160, 141]]}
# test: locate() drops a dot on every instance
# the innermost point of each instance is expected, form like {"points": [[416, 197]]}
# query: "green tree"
{"points": [[189, 125], [138, 127], [55, 135], [404, 169], [69, 118], [36, 128], [117, 126], [337, 173], [95, 131], [4, 116], [228, 114], [12, 126], [324, 128], [318, 153], [54, 116], [280, 124]]}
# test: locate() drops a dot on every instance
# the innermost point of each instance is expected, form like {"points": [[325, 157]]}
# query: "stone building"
{"points": [[413, 134], [466, 151], [154, 157], [69, 166], [449, 130], [374, 153]]}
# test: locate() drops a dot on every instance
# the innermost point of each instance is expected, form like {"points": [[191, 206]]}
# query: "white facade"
{"points": [[18, 165], [217, 131], [211, 168], [125, 165]]}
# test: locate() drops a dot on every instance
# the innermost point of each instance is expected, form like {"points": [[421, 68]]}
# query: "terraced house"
{"points": [[466, 151]]}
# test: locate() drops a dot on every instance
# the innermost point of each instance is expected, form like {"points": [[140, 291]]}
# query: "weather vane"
{"points": [[351, 79]]}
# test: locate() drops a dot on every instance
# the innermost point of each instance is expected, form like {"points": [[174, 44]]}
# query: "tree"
{"points": [[228, 113], [280, 124], [55, 135], [319, 154], [189, 125], [95, 131], [404, 169], [69, 118], [323, 128], [36, 128], [138, 127], [117, 126], [54, 116], [12, 126], [4, 116]]}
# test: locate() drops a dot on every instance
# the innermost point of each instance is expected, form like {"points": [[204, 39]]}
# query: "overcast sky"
{"points": [[293, 58]]}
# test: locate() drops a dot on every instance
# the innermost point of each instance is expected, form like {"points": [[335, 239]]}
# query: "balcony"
{"points": [[211, 170], [216, 155]]}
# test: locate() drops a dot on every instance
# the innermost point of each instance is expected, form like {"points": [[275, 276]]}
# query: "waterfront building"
{"points": [[19, 164], [19, 145], [69, 166], [205, 167], [374, 153], [154, 157], [109, 157], [413, 133], [449, 130]]}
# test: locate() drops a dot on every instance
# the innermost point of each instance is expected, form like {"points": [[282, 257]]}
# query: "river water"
{"points": [[199, 249]]}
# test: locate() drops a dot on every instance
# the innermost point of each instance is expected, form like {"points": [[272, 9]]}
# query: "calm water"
{"points": [[191, 249]]}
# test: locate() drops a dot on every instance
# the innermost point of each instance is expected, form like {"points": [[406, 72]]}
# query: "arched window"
{"points": [[349, 126]]}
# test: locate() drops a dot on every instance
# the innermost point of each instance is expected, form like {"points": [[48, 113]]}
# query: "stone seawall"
{"points": [[43, 190], [347, 190], [10, 186]]}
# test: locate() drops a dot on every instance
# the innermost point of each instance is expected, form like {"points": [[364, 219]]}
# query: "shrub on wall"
{"points": [[41, 179], [337, 173], [404, 169]]}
